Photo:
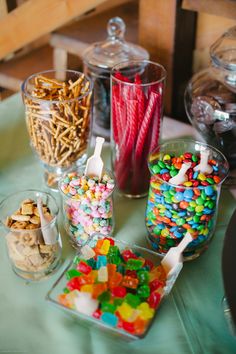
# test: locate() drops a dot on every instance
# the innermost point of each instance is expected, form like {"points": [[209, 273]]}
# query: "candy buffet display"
{"points": [[137, 105], [113, 284], [184, 193], [58, 119], [31, 233]]}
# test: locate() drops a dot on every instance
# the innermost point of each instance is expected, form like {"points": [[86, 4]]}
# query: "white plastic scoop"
{"points": [[174, 255], [204, 166], [94, 165], [181, 176], [49, 232], [173, 261]]}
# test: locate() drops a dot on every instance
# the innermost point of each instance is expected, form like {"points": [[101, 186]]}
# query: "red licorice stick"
{"points": [[151, 106], [124, 165], [115, 131]]}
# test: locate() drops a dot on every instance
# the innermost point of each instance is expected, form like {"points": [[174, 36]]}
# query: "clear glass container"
{"points": [[171, 209], [137, 112], [87, 205], [58, 119], [129, 326], [34, 249], [210, 97], [98, 61]]}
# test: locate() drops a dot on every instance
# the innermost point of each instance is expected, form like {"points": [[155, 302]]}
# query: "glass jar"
{"points": [[210, 97], [34, 248], [174, 209], [58, 119], [137, 112], [98, 61], [87, 205]]}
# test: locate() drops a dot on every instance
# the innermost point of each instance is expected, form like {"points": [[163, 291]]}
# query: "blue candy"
{"points": [[109, 318], [209, 190], [101, 261], [179, 196], [164, 170], [188, 194]]}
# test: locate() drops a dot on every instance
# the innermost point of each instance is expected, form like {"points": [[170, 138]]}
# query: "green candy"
{"points": [[210, 180], [194, 158], [92, 263], [180, 222], [200, 201], [200, 227], [156, 230], [71, 273], [196, 219], [132, 300], [211, 204], [107, 307], [113, 255], [66, 291], [173, 173], [105, 296], [156, 169], [117, 302], [190, 208], [161, 164], [143, 276], [121, 269], [134, 264], [143, 291]]}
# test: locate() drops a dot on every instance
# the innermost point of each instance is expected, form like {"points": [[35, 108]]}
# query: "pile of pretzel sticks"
{"points": [[58, 119]]}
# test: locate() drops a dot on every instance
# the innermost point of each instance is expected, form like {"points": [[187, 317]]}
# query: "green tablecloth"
{"points": [[191, 319]]}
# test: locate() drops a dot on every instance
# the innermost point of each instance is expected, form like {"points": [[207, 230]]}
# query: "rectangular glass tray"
{"points": [[60, 284]]}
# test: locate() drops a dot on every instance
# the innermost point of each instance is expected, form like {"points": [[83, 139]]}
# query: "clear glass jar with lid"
{"points": [[98, 60], [210, 97]]}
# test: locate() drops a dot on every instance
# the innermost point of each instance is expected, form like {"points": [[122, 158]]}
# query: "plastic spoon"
{"points": [[49, 232], [94, 164], [174, 255], [173, 262], [204, 166]]}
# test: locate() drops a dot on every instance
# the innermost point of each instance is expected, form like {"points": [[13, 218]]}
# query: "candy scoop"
{"points": [[173, 261], [49, 232], [94, 165], [181, 176], [204, 166]]}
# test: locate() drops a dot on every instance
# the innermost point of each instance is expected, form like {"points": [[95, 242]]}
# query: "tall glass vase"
{"points": [[137, 90]]}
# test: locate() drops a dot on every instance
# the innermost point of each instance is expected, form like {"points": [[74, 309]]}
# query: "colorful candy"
{"points": [[127, 299], [191, 205], [88, 206]]}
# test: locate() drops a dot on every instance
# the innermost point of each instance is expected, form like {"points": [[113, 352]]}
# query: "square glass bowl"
{"points": [[112, 285]]}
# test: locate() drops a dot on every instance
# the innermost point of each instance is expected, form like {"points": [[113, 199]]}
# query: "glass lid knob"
{"points": [[116, 28]]}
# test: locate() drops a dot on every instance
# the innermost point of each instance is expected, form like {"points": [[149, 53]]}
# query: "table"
{"points": [[190, 320]]}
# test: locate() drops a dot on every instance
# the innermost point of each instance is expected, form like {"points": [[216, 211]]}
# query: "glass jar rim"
{"points": [[71, 100], [125, 63], [29, 230], [81, 170], [206, 146]]}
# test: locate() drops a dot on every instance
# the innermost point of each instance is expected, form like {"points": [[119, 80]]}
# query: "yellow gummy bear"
{"points": [[126, 311], [105, 247], [146, 312]]}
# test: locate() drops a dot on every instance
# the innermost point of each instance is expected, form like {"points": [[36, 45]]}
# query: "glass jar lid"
{"points": [[223, 52], [114, 49]]}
